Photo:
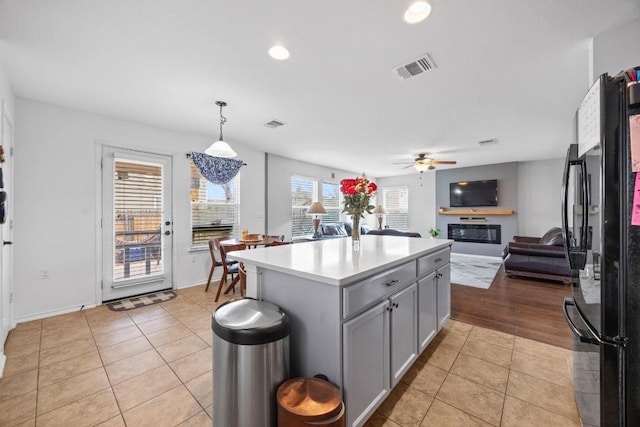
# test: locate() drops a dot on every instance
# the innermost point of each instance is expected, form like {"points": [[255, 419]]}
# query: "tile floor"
{"points": [[152, 366]]}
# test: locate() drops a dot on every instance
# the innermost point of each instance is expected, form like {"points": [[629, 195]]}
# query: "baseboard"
{"points": [[46, 314], [3, 361], [199, 283]]}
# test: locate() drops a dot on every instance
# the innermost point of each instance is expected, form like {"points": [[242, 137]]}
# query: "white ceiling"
{"points": [[508, 69]]}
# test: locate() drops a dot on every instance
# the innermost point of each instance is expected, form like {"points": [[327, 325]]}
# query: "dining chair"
{"points": [[214, 247], [232, 269], [243, 279]]}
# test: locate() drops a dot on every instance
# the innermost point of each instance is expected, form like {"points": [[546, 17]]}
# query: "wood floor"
{"points": [[522, 307]]}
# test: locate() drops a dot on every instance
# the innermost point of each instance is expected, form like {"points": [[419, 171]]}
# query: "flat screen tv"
{"points": [[473, 193]]}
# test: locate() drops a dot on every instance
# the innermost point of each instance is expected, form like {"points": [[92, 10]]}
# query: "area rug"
{"points": [[141, 301], [474, 270]]}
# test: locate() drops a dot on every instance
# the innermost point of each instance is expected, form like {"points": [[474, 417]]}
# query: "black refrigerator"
{"points": [[602, 244]]}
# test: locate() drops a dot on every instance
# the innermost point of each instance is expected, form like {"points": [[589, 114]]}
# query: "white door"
{"points": [[6, 252], [136, 223]]}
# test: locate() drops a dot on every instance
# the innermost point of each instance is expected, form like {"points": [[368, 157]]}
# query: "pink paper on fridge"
{"points": [[634, 132], [635, 213]]}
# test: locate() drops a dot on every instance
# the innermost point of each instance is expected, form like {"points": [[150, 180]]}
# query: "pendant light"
{"points": [[221, 148]]}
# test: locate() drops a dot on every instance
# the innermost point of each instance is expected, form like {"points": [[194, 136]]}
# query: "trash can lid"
{"points": [[311, 399], [250, 322]]}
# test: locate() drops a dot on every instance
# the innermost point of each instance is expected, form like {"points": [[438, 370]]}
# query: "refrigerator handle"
{"points": [[583, 336], [584, 232], [566, 237], [576, 255]]}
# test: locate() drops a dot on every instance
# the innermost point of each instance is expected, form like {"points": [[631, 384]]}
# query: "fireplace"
{"points": [[475, 233]]}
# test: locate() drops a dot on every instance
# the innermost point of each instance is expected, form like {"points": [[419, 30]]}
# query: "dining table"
{"points": [[251, 243]]}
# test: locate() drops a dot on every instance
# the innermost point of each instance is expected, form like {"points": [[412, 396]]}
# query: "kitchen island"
{"points": [[360, 318]]}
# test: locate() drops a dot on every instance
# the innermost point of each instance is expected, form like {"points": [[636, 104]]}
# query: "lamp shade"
{"points": [[316, 208], [380, 210], [220, 149], [421, 167]]}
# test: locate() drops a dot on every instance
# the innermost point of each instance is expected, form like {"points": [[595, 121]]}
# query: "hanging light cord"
{"points": [[223, 119]]}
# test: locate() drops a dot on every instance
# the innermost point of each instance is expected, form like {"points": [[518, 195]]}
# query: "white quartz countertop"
{"points": [[333, 261]]}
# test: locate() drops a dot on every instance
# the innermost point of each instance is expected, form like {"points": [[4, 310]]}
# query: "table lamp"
{"points": [[316, 209], [380, 211]]}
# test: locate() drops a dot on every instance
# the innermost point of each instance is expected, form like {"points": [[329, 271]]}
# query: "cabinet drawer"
{"points": [[431, 262], [372, 289]]}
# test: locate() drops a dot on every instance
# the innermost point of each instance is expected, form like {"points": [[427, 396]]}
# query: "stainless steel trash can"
{"points": [[250, 361]]}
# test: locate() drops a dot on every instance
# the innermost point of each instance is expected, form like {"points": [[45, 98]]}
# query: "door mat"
{"points": [[141, 301]]}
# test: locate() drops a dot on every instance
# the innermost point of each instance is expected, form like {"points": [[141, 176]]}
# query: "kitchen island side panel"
{"points": [[314, 309]]}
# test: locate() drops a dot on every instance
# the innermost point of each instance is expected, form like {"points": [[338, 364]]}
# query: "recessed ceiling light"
{"points": [[416, 12], [279, 52]]}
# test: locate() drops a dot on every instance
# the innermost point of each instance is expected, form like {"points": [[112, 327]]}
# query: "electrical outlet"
{"points": [[44, 273]]}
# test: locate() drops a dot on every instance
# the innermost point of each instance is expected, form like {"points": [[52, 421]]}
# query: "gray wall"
{"points": [[507, 176], [539, 192], [57, 207], [278, 187], [422, 200], [616, 50]]}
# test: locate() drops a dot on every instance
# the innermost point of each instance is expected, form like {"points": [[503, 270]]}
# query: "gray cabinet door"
{"points": [[444, 294], [404, 330], [427, 317], [366, 363]]}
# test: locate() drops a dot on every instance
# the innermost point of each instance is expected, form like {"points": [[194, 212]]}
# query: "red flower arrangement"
{"points": [[357, 193]]}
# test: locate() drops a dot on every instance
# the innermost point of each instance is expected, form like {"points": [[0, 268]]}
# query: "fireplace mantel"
{"points": [[446, 211]]}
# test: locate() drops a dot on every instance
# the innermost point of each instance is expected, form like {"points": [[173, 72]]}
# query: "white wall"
{"points": [[280, 170], [617, 49], [422, 199], [539, 192], [57, 187], [6, 97]]}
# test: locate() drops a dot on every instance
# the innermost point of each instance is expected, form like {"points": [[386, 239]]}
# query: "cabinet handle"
{"points": [[395, 304], [391, 282], [438, 260]]}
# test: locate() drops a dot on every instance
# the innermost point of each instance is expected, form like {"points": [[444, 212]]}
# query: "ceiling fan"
{"points": [[423, 163]]}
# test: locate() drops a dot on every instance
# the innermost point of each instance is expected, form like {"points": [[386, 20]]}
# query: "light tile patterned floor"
{"points": [[152, 366], [472, 376]]}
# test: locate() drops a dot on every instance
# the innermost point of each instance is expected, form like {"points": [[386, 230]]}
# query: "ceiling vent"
{"points": [[487, 142], [274, 124], [415, 67]]}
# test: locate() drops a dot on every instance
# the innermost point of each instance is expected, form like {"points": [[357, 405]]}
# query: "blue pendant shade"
{"points": [[218, 170]]}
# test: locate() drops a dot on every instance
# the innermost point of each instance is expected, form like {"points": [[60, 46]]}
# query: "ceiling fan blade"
{"points": [[407, 167], [402, 163], [443, 162]]}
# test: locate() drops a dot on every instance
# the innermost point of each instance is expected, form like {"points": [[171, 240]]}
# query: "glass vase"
{"points": [[355, 232]]}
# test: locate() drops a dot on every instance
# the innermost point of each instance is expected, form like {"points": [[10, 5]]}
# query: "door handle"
{"points": [[6, 242], [583, 336], [576, 255]]}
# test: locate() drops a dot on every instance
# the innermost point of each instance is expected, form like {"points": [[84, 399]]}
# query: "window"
{"points": [[215, 209], [303, 193], [331, 202], [396, 201]]}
